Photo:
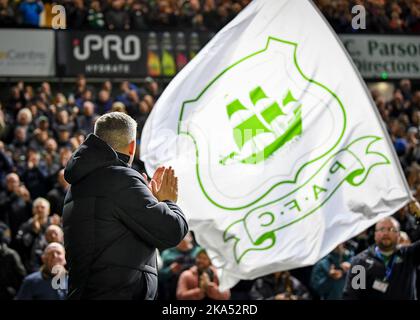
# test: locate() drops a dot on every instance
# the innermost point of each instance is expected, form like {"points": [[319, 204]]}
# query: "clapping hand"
{"points": [[164, 184]]}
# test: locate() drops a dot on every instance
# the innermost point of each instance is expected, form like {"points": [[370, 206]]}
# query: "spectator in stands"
{"points": [[104, 102], [50, 283], [200, 282], [30, 236], [6, 162], [30, 11], [95, 16], [279, 286], [117, 17], [408, 224], [15, 204], [12, 271], [138, 16], [7, 14], [86, 121], [175, 261], [329, 274], [389, 271], [54, 234], [34, 174], [76, 14], [57, 194]]}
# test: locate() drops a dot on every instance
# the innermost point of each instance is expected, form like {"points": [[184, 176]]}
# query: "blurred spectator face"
{"points": [[209, 5], [380, 102], [51, 145], [87, 95], [63, 117], [46, 88], [149, 100], [133, 96], [29, 93], [125, 86], [74, 143], [81, 81], [202, 261], [398, 97], [405, 85], [222, 11], [144, 107], [96, 5], [20, 134], [12, 182], [339, 249], [236, 7], [54, 234], [152, 86], [88, 108], [41, 136], [43, 124], [404, 119], [63, 135], [396, 128], [33, 156], [387, 234], [54, 255], [15, 93], [416, 98], [416, 118], [107, 86], [103, 95], [117, 4], [61, 181], [60, 99], [24, 117], [80, 138], [65, 155], [78, 4], [195, 5], [41, 208]]}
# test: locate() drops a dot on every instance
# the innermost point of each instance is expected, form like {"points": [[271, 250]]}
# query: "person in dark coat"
{"points": [[30, 238], [114, 219], [12, 271], [56, 196], [279, 286], [385, 272]]}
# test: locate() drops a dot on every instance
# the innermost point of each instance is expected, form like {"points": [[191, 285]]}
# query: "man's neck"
{"points": [[386, 252]]}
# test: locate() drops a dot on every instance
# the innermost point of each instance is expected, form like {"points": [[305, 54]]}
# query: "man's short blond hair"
{"points": [[117, 129]]}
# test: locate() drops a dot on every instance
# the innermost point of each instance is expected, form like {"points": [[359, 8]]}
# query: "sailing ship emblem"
{"points": [[264, 128]]}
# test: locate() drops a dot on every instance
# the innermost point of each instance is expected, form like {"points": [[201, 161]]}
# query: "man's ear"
{"points": [[132, 147]]}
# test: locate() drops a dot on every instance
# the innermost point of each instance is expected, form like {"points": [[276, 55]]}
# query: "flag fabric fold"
{"points": [[280, 152]]}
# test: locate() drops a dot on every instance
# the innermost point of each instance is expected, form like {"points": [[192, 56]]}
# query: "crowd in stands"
{"points": [[382, 16], [123, 14], [39, 130]]}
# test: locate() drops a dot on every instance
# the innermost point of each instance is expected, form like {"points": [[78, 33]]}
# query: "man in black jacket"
{"points": [[384, 272], [114, 219]]}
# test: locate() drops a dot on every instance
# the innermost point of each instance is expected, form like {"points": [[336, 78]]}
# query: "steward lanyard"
{"points": [[388, 266]]}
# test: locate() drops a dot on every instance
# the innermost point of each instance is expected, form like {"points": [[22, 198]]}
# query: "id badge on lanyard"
{"points": [[382, 285]]}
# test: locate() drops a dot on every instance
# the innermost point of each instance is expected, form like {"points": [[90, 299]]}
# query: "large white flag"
{"points": [[280, 151]]}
